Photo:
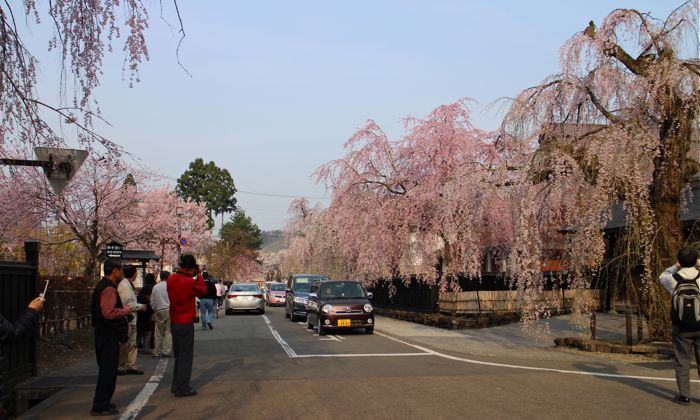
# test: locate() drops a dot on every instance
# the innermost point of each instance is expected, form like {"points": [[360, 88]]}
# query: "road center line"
{"points": [[541, 369], [286, 347], [133, 410]]}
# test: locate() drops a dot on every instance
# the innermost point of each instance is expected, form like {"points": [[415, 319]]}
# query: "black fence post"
{"points": [[31, 253]]}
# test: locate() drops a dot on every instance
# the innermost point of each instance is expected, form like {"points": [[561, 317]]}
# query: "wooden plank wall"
{"points": [[508, 301]]}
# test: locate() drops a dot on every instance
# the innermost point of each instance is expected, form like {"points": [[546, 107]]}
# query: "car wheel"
{"points": [[262, 311], [229, 312], [319, 328], [369, 330]]}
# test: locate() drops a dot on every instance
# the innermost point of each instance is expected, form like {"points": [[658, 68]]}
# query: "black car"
{"points": [[338, 305], [298, 286]]}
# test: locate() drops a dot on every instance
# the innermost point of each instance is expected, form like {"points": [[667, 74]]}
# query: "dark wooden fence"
{"points": [[415, 296], [67, 307], [17, 289]]}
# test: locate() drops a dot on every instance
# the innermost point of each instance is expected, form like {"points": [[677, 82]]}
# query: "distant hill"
{"points": [[273, 240]]}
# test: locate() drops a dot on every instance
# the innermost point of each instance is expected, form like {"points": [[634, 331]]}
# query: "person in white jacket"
{"points": [[684, 339], [129, 351], [161, 307]]}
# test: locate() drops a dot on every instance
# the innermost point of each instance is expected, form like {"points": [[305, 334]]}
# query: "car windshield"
{"points": [[342, 290], [303, 284], [245, 288], [277, 287]]}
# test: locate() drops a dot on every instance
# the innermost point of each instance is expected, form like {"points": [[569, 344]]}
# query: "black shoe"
{"points": [[681, 399], [211, 327], [110, 410], [189, 392], [121, 372], [134, 372]]}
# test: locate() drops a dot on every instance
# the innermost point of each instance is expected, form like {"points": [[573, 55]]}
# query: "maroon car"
{"points": [[339, 305]]}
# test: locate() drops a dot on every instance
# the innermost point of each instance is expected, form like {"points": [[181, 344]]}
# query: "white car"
{"points": [[244, 297]]}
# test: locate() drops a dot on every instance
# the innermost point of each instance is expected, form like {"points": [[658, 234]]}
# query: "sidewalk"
{"points": [[507, 340], [77, 386]]}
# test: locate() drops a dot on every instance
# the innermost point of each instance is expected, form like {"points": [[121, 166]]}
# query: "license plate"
{"points": [[343, 322]]}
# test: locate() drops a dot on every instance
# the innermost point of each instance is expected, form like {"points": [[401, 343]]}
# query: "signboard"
{"points": [[114, 250], [64, 163]]}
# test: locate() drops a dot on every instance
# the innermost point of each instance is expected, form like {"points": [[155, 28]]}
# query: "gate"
{"points": [[17, 289]]}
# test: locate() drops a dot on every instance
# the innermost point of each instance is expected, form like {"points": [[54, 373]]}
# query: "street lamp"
{"points": [[179, 211]]}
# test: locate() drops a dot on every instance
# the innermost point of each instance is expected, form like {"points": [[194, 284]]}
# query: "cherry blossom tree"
{"points": [[429, 204], [313, 245], [82, 33], [107, 200], [616, 125]]}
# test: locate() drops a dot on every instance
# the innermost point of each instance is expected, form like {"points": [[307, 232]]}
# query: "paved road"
{"points": [[266, 367]]}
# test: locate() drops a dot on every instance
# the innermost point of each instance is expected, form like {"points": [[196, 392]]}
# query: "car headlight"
{"points": [[368, 307], [301, 300], [327, 309]]}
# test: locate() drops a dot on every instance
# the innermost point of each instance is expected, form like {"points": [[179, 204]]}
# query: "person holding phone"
{"points": [[109, 320], [24, 326]]}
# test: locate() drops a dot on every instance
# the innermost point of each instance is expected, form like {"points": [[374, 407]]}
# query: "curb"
{"points": [[655, 350]]}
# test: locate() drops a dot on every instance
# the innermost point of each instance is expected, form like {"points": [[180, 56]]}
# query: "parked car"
{"points": [[276, 294], [298, 286], [338, 305], [244, 297]]}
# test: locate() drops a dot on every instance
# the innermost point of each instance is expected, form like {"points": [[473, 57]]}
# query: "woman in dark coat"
{"points": [[143, 320]]}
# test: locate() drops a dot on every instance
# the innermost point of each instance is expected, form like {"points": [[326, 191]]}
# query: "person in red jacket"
{"points": [[183, 286]]}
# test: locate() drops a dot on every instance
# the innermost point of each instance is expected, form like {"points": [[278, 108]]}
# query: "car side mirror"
{"points": [[370, 295]]}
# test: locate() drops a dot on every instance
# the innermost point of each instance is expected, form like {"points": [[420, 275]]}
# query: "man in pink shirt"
{"points": [[111, 327]]}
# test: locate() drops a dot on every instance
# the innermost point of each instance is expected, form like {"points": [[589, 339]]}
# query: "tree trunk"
{"points": [[665, 196]]}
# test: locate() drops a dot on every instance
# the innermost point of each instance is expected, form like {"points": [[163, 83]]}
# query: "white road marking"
{"points": [[308, 356], [541, 369], [133, 410], [339, 336], [290, 352]]}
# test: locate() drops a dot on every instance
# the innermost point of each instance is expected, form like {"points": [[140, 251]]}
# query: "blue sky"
{"points": [[278, 87]]}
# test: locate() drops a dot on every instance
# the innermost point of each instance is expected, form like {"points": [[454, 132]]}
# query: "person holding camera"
{"points": [[682, 281], [183, 287], [111, 327]]}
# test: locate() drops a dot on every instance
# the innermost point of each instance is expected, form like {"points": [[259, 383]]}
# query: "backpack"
{"points": [[685, 304]]}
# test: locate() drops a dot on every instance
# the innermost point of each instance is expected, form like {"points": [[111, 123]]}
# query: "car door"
{"points": [[312, 307], [289, 298]]}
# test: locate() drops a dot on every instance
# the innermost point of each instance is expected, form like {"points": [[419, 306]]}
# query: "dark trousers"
{"points": [[183, 350], [683, 343], [107, 352]]}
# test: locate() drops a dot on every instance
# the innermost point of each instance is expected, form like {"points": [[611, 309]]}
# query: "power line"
{"points": [[264, 194], [283, 195]]}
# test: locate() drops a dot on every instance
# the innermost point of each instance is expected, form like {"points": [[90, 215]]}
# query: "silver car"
{"points": [[244, 297]]}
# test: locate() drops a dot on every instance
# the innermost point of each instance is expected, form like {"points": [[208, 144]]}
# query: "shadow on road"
{"points": [[663, 393]]}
